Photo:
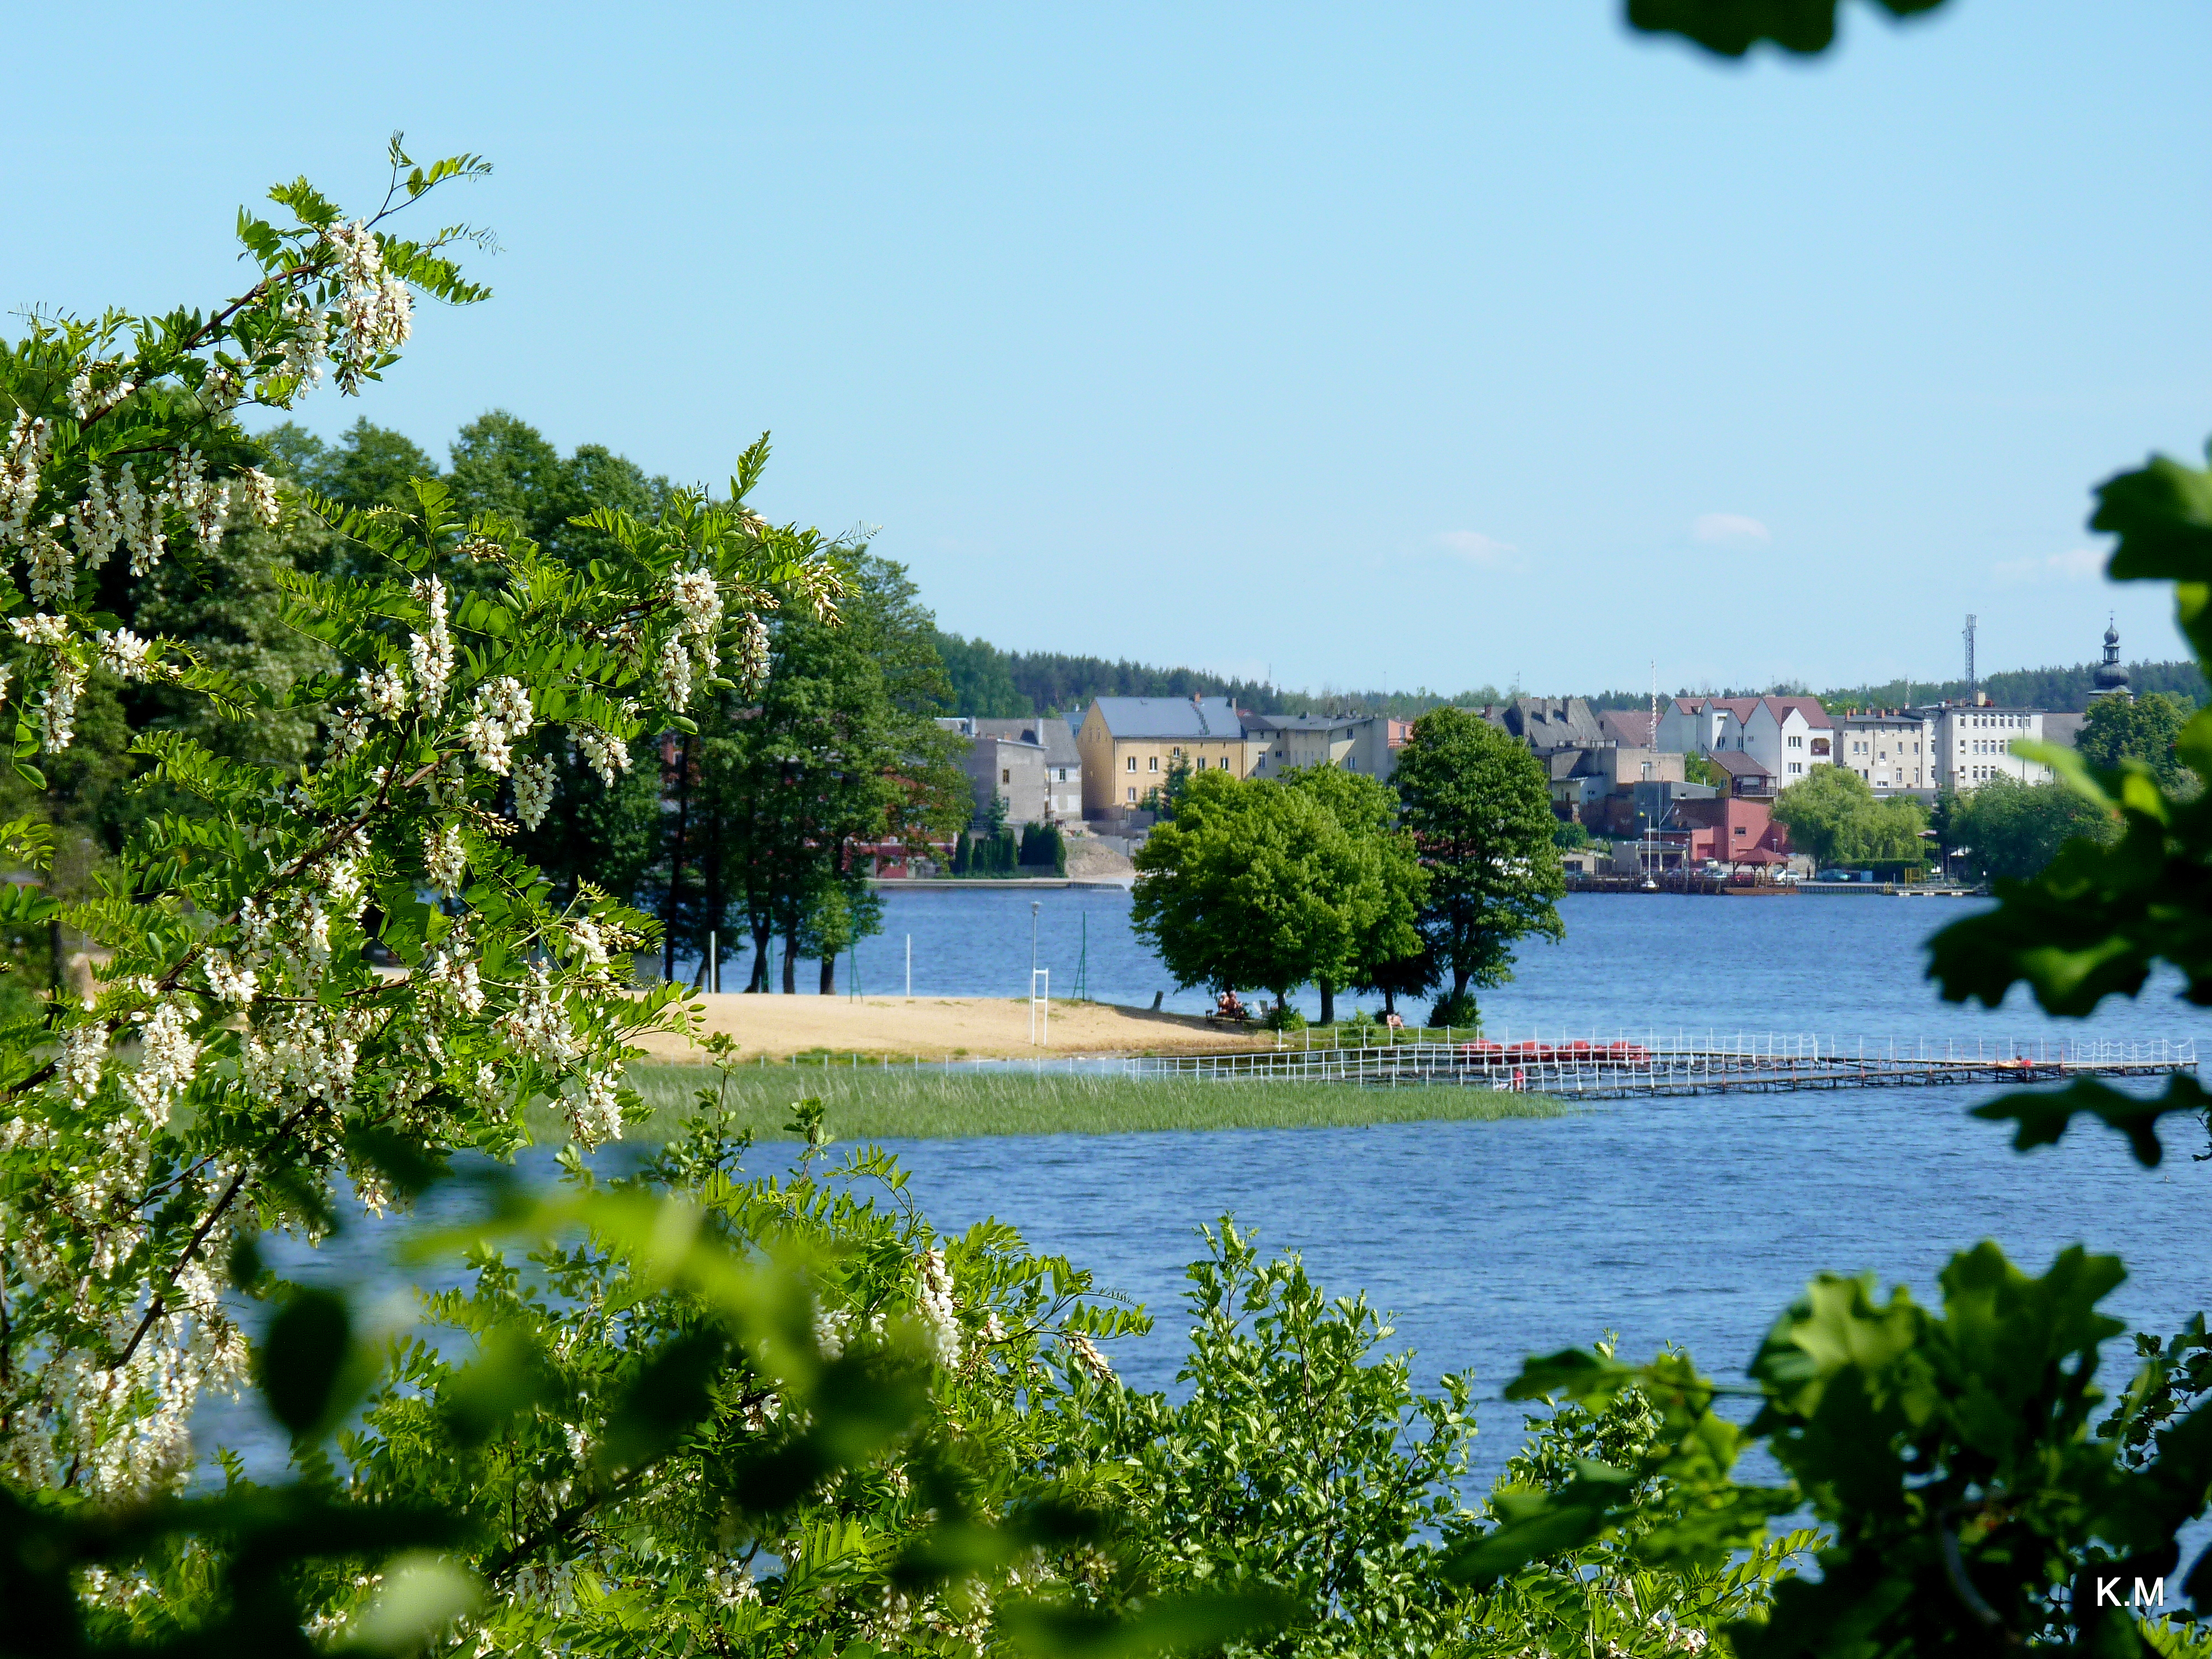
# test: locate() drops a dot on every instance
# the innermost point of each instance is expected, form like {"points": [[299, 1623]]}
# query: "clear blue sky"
{"points": [[1439, 344]]}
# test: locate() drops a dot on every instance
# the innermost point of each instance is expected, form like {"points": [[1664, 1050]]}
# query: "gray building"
{"points": [[1030, 763], [1063, 762]]}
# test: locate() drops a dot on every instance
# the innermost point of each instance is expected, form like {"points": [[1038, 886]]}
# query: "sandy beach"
{"points": [[940, 1028]]}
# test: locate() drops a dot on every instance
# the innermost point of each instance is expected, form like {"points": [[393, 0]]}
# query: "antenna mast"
{"points": [[1973, 686]]}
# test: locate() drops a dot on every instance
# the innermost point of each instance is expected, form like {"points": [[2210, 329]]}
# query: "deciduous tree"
{"points": [[1478, 807]]}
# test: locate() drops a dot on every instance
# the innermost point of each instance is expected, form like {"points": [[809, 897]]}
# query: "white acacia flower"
{"points": [[445, 857], [261, 497], [304, 349], [305, 1054], [752, 656], [1087, 1355], [138, 515], [595, 1113], [538, 1023], [430, 652], [699, 601], [50, 568], [168, 1059], [453, 974], [671, 674], [383, 693], [502, 715], [584, 933], [94, 523], [22, 462], [84, 1051], [940, 1320], [228, 981], [55, 711], [533, 790], [123, 653], [605, 755], [48, 633]]}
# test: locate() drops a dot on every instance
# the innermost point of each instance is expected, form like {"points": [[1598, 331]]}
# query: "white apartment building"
{"points": [[1787, 736], [1890, 749], [1974, 743], [1691, 726]]}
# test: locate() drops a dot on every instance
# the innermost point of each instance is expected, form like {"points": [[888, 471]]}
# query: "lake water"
{"points": [[1693, 1221]]}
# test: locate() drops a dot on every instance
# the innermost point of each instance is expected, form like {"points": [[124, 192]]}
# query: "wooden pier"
{"points": [[1591, 1070]]}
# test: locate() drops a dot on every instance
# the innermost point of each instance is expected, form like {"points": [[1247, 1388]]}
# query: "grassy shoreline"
{"points": [[885, 1102]]}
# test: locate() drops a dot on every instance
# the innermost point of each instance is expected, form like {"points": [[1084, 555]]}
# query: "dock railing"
{"points": [[1590, 1067]]}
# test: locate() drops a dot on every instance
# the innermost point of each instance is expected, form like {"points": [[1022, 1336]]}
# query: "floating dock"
{"points": [[1587, 1069]]}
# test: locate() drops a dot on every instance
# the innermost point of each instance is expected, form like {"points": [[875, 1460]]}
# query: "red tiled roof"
{"points": [[1816, 715]]}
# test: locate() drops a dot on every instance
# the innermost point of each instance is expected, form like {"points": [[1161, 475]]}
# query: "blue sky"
{"points": [[1418, 344]]}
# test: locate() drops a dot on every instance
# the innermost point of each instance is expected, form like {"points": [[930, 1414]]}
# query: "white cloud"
{"points": [[1478, 548], [2077, 564], [1729, 529]]}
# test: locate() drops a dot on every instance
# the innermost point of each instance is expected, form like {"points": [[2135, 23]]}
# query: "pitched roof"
{"points": [[1629, 727], [1303, 722], [1816, 715], [1738, 765], [1171, 717], [1547, 723], [1049, 732]]}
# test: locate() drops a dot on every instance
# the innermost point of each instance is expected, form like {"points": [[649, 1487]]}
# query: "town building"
{"points": [[1893, 750], [1011, 766], [1788, 736], [1063, 761], [1974, 743], [1692, 725], [1548, 723], [1128, 744], [1749, 777], [1632, 728], [1367, 743]]}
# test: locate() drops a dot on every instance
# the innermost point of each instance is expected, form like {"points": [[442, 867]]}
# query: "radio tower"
{"points": [[1972, 686]]}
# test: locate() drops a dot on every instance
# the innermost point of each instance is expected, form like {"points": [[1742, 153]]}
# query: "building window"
{"points": [[1155, 760], [1132, 792], [1133, 762], [1006, 774]]}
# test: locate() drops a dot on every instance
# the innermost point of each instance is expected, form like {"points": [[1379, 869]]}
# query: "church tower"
{"points": [[2112, 677]]}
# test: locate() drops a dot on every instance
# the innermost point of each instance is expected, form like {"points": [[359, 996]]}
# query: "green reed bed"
{"points": [[878, 1102]]}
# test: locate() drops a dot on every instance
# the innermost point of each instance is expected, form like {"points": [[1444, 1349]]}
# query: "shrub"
{"points": [[1281, 1017], [1456, 1012]]}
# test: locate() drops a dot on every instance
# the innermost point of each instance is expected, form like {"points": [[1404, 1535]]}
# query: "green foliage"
{"points": [[1456, 1010], [2014, 830], [318, 779], [1281, 1017], [1831, 813], [1479, 808], [1701, 768], [2147, 730], [1568, 835], [1256, 882], [1732, 27], [778, 793], [1043, 846]]}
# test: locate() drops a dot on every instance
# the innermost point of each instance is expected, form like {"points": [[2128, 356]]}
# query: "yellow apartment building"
{"points": [[1127, 743]]}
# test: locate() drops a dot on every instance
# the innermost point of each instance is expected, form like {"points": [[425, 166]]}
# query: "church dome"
{"points": [[2111, 679]]}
